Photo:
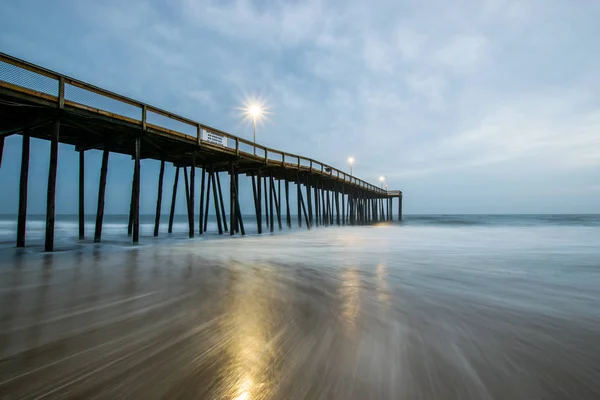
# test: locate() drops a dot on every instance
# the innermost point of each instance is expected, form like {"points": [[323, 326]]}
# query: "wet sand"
{"points": [[166, 322]]}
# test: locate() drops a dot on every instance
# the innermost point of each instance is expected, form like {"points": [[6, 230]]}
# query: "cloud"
{"points": [[462, 52]]}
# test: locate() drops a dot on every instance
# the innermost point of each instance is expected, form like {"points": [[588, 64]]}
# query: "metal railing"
{"points": [[66, 92]]}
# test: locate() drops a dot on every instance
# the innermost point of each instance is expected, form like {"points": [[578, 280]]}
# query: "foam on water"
{"points": [[468, 307]]}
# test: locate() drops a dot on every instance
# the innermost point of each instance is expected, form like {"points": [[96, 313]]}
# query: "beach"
{"points": [[435, 307]]}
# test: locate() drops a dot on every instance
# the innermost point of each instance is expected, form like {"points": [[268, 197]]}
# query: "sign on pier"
{"points": [[214, 138]]}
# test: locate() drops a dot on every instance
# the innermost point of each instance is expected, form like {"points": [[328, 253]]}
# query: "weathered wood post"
{"points": [[173, 200], [136, 186], [221, 202], [216, 200], [308, 199], [1, 149], [337, 207], [231, 199], [259, 200], [159, 197], [298, 195], [400, 207], [22, 218], [51, 198], [277, 203], [81, 195], [343, 205], [192, 194], [201, 208], [288, 217], [101, 195], [266, 189], [208, 185]]}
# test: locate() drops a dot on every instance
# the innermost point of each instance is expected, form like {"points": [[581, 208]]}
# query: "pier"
{"points": [[38, 103]]}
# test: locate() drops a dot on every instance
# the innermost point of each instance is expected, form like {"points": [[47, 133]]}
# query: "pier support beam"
{"points": [[266, 202], [101, 193], [22, 218], [400, 208], [276, 199], [232, 215], [1, 149], [208, 185], [221, 202], [288, 217], [81, 195], [317, 208], [173, 200], [200, 210], [337, 207], [258, 201], [159, 197], [301, 201], [343, 206], [192, 194], [136, 190], [216, 200], [309, 200], [51, 198], [298, 195], [271, 194]]}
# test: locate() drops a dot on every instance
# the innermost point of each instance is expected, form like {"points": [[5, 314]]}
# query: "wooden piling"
{"points": [[400, 208], [159, 197], [303, 206], [201, 208], [22, 218], [238, 213], [259, 201], [337, 207], [239, 216], [187, 193], [101, 195], [288, 217], [298, 194], [81, 195], [136, 186], [231, 199], [256, 203], [309, 200], [173, 200], [130, 221], [277, 202], [343, 205], [266, 202], [51, 198], [208, 185], [216, 201], [325, 218], [222, 203], [271, 192], [317, 218], [1, 149], [192, 194]]}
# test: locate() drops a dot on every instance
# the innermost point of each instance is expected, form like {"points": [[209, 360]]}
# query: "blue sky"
{"points": [[489, 106]]}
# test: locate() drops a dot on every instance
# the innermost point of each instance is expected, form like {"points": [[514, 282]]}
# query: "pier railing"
{"points": [[66, 92]]}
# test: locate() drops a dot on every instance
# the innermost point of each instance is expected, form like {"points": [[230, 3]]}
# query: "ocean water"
{"points": [[434, 307]]}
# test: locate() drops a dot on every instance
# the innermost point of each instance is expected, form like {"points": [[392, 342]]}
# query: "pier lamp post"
{"points": [[254, 111], [382, 179], [350, 162]]}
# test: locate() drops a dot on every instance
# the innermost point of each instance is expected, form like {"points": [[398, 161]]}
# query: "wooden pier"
{"points": [[39, 103]]}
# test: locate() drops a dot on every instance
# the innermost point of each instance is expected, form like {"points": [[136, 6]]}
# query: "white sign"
{"points": [[214, 138]]}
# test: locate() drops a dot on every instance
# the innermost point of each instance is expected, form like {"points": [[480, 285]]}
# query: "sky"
{"points": [[487, 106]]}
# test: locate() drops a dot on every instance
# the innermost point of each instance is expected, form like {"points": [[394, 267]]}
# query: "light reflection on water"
{"points": [[413, 311]]}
